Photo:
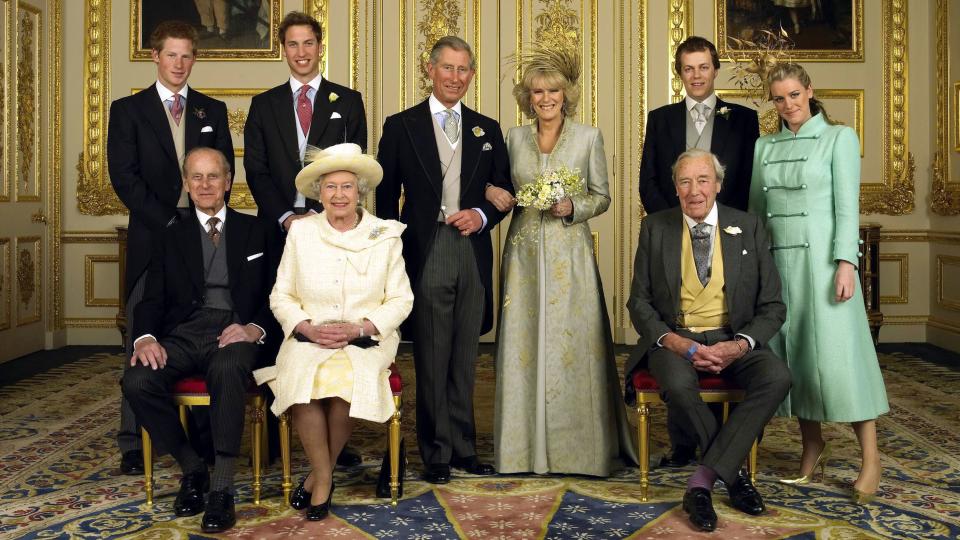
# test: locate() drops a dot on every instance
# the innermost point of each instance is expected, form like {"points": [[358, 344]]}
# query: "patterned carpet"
{"points": [[58, 469]]}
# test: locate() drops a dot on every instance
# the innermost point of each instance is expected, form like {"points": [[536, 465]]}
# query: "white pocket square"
{"points": [[255, 256], [486, 146], [207, 129], [744, 252], [335, 115]]}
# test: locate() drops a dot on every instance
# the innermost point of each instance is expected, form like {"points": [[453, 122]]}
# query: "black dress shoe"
{"points": [[744, 497], [131, 462], [189, 501], [437, 473], [680, 456], [220, 514], [698, 504], [317, 512], [300, 498], [349, 457], [473, 466]]}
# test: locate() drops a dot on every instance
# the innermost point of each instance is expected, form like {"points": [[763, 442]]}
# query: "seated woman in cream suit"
{"points": [[341, 293]]}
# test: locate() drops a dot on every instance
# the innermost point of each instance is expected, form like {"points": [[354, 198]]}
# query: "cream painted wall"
{"points": [[630, 41]]}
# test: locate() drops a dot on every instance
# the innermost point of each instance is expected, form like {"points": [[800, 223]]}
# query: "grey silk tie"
{"points": [[450, 126], [701, 119], [701, 251], [214, 233]]}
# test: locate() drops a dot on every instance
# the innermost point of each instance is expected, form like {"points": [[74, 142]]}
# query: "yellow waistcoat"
{"points": [[701, 308]]}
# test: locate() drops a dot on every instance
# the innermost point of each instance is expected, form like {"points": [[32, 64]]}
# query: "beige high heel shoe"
{"points": [[807, 478], [862, 498]]}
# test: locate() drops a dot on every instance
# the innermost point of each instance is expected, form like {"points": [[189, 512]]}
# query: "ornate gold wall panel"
{"points": [[28, 262], [680, 22], [29, 35], [902, 261], [55, 167], [945, 191], [6, 284], [6, 45], [90, 298], [945, 299], [895, 195]]}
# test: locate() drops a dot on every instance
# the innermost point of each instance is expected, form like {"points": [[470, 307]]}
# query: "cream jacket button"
{"points": [[765, 188]]}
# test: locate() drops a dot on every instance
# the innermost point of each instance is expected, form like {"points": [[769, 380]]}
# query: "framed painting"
{"points": [[819, 30], [227, 29]]}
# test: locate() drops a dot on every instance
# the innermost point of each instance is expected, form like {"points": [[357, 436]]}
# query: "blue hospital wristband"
{"points": [[690, 352]]}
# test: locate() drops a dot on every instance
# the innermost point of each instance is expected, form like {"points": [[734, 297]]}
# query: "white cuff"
{"points": [[143, 337], [264, 332], [483, 217], [750, 340], [284, 218]]}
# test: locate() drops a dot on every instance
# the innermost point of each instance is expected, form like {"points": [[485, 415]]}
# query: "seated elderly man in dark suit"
{"points": [[205, 311], [706, 297]]}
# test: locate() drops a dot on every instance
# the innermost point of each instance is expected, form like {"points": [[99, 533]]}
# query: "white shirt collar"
{"points": [[712, 219], [436, 106], [710, 101], [166, 94], [314, 83], [202, 218]]}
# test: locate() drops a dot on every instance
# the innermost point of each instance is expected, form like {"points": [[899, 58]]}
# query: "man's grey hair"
{"points": [[696, 153], [224, 164], [455, 43]]}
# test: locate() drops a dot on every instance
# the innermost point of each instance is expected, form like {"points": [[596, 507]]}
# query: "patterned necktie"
{"points": [[213, 232], [176, 110], [701, 251], [701, 118], [304, 110], [450, 125]]}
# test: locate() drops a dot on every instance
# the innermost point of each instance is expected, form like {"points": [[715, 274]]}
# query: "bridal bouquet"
{"points": [[549, 187]]}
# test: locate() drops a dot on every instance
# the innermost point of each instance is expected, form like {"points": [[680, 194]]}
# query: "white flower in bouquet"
{"points": [[549, 187]]}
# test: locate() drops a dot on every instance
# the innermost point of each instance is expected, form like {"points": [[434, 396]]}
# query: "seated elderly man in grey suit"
{"points": [[706, 298]]}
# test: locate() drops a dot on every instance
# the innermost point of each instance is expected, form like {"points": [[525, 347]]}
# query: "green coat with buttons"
{"points": [[806, 187]]}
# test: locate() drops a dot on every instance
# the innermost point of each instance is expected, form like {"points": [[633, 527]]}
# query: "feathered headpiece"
{"points": [[560, 59]]}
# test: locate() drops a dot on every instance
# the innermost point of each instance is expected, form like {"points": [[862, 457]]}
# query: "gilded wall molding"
{"points": [[943, 301], [903, 271], [90, 322], [440, 18], [29, 262], [895, 195], [6, 284], [680, 24], [944, 193], [920, 235], [95, 195], [54, 175], [89, 281], [319, 10], [5, 169], [29, 33]]}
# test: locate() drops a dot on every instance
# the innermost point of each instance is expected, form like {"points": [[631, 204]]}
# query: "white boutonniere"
{"points": [[333, 97], [732, 231], [199, 113], [478, 131], [724, 112]]}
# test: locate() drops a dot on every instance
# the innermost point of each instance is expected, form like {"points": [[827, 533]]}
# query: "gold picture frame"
{"points": [[832, 33], [250, 34]]}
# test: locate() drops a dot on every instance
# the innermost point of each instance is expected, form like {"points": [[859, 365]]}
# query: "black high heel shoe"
{"points": [[317, 512], [300, 498]]}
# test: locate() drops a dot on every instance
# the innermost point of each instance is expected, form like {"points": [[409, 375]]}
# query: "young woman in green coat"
{"points": [[806, 185]]}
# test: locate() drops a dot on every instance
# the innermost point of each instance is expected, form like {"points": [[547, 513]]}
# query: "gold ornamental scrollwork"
{"points": [[95, 195], [557, 26], [25, 272], [895, 196], [236, 120], [440, 19], [26, 101], [679, 19], [944, 194], [319, 10]]}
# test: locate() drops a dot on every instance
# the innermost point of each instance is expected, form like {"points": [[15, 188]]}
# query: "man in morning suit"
{"points": [[445, 155], [705, 298], [204, 311], [702, 120], [306, 109], [148, 135]]}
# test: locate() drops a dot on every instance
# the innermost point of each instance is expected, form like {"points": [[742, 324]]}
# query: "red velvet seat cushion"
{"points": [[396, 381], [195, 384], [643, 381]]}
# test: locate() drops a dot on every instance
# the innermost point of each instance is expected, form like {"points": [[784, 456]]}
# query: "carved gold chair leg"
{"points": [[183, 419], [752, 462], [256, 428], [395, 453], [643, 436], [285, 434], [147, 465]]}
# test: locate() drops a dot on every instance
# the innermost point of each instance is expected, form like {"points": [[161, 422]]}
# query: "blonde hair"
{"points": [[791, 70], [521, 91]]}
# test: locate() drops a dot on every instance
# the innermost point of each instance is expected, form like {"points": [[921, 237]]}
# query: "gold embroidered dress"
{"points": [[557, 407]]}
